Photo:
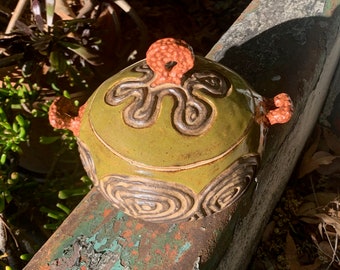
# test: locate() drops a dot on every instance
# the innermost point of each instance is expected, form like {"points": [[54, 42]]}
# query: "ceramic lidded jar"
{"points": [[174, 137]]}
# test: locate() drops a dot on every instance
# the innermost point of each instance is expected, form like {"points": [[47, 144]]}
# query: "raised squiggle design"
{"points": [[192, 115]]}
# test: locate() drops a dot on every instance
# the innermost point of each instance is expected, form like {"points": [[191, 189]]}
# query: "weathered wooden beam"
{"points": [[97, 235], [277, 47]]}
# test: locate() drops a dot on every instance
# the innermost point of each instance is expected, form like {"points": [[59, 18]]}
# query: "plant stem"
{"points": [[16, 15]]}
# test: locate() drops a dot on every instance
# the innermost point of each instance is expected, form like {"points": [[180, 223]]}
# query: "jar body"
{"points": [[172, 153]]}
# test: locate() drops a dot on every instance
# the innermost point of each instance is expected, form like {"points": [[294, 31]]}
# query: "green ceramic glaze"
{"points": [[172, 163]]}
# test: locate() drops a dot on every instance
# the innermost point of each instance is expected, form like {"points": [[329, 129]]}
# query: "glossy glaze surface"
{"points": [[170, 152]]}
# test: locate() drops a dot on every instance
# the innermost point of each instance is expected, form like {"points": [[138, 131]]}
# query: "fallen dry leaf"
{"points": [[314, 161], [63, 10], [326, 248], [332, 141], [291, 253], [330, 221], [330, 169], [307, 209], [292, 257], [307, 157], [321, 198]]}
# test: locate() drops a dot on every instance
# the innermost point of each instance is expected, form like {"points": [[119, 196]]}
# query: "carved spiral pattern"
{"points": [[229, 186], [191, 115], [87, 161], [158, 201], [149, 199]]}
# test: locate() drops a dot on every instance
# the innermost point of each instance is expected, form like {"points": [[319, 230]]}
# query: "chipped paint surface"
{"points": [[181, 250], [97, 236]]}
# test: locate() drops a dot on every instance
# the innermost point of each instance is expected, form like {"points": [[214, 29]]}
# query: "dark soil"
{"points": [[199, 22]]}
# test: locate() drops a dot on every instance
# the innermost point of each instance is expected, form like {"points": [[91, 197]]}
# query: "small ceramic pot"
{"points": [[175, 137]]}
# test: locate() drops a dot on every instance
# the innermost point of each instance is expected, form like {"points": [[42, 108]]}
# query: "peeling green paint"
{"points": [[97, 244], [120, 215], [181, 250], [108, 238], [118, 266]]}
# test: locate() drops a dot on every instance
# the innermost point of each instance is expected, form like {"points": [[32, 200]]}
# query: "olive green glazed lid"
{"points": [[172, 127]]}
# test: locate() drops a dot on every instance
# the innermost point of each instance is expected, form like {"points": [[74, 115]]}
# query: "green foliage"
{"points": [[58, 56], [16, 95], [7, 183], [12, 134], [26, 256], [20, 103], [63, 50], [67, 193], [57, 215], [66, 137], [14, 125]]}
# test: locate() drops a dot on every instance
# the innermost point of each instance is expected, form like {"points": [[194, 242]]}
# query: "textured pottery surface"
{"points": [[173, 143]]}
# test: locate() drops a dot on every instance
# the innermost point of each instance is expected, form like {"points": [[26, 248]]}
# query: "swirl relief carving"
{"points": [[158, 201], [149, 199], [192, 115]]}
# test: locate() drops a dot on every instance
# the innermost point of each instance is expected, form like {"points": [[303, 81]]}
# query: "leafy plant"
{"points": [[57, 215], [20, 104], [60, 55], [12, 134], [14, 125]]}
